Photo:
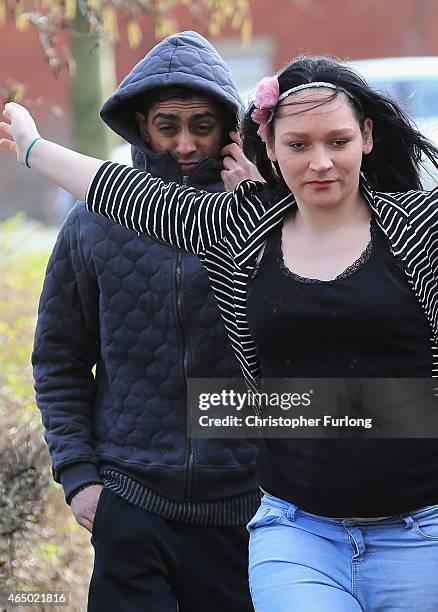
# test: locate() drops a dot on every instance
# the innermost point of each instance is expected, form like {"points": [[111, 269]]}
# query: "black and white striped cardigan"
{"points": [[227, 230]]}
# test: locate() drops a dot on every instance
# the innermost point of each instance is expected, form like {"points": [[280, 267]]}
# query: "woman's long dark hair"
{"points": [[394, 162]]}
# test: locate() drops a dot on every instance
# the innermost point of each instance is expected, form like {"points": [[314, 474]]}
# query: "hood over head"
{"points": [[185, 59]]}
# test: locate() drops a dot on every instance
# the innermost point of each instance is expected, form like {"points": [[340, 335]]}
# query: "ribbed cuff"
{"points": [[75, 476]]}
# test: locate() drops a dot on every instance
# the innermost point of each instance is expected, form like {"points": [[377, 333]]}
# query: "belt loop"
{"points": [[408, 520], [290, 514]]}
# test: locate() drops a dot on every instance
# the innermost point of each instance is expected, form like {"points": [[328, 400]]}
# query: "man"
{"points": [[167, 514]]}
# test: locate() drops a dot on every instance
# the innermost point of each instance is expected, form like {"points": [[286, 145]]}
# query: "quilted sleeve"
{"points": [[182, 216], [65, 351]]}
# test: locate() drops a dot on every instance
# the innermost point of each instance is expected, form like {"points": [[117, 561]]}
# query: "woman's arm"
{"points": [[182, 216]]}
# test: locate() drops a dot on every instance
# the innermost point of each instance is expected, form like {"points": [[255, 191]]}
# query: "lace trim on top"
{"points": [[360, 261]]}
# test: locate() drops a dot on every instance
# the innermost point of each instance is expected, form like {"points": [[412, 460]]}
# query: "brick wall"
{"points": [[282, 29]]}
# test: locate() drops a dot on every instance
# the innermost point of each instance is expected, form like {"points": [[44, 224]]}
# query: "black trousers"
{"points": [[146, 563]]}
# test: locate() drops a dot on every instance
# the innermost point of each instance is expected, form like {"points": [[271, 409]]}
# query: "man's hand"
{"points": [[84, 504], [236, 166], [19, 133]]}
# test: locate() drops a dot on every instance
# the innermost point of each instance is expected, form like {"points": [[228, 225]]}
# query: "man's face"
{"points": [[190, 128]]}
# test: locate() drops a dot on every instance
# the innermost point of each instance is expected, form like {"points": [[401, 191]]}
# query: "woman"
{"points": [[306, 269]]}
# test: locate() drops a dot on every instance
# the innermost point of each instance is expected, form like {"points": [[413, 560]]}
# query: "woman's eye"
{"points": [[298, 146], [340, 142]]}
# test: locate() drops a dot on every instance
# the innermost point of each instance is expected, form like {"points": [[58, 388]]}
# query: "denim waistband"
{"points": [[292, 510]]}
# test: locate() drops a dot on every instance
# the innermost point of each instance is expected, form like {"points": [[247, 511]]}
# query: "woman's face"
{"points": [[319, 147]]}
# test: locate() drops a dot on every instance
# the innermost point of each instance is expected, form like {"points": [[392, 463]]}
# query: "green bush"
{"points": [[41, 546]]}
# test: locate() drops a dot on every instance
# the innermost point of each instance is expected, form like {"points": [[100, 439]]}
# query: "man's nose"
{"points": [[186, 143], [321, 160]]}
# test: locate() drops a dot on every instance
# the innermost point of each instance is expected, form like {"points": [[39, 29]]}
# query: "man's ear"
{"points": [[367, 137], [142, 126], [270, 148]]}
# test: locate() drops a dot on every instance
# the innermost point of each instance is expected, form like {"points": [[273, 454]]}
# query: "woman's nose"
{"points": [[320, 160]]}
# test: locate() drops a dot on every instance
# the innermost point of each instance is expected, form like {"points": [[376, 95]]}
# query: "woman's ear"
{"points": [[367, 137], [142, 126], [270, 148]]}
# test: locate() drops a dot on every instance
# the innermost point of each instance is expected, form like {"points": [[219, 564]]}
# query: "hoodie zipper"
{"points": [[179, 300], [190, 462]]}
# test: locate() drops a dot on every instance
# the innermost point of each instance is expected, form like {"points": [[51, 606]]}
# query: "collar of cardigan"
{"points": [[246, 246]]}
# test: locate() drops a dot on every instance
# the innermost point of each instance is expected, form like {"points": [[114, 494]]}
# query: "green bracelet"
{"points": [[26, 156]]}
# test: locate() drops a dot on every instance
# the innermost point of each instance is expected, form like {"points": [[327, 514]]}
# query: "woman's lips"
{"points": [[321, 184]]}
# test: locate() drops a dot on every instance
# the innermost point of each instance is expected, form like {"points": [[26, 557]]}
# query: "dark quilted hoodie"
{"points": [[143, 313]]}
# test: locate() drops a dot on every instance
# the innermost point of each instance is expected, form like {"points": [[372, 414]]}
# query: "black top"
{"points": [[365, 323]]}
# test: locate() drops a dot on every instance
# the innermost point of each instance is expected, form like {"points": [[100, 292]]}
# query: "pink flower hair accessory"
{"points": [[266, 99]]}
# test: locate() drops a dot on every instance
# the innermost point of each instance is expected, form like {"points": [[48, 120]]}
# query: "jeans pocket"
{"points": [[101, 502], [426, 523], [265, 517]]}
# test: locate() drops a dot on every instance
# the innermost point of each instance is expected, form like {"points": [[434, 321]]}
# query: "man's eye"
{"points": [[204, 129], [298, 146], [166, 129], [340, 142]]}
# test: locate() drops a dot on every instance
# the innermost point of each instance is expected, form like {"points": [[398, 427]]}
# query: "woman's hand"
{"points": [[19, 133], [67, 169], [237, 167]]}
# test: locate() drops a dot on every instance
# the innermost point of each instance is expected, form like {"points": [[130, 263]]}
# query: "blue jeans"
{"points": [[301, 562]]}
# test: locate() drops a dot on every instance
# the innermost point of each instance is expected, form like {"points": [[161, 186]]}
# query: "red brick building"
{"points": [[281, 29]]}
